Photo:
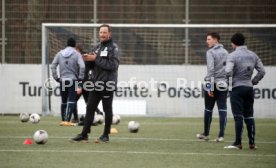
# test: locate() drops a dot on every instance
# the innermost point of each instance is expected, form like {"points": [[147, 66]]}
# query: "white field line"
{"points": [[136, 152], [184, 140], [138, 139]]}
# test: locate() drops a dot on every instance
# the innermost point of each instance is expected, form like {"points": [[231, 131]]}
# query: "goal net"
{"points": [[160, 64]]}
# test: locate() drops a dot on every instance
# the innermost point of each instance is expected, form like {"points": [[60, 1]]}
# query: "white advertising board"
{"points": [[153, 90]]}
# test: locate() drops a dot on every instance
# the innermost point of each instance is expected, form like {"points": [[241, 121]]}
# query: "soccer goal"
{"points": [[156, 58]]}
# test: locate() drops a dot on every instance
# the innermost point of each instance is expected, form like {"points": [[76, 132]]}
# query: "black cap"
{"points": [[71, 42], [238, 39]]}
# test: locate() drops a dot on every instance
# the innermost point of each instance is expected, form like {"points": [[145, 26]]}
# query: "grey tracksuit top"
{"points": [[71, 65], [216, 61], [241, 64]]}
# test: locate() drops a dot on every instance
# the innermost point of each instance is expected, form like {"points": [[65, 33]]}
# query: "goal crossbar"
{"points": [[162, 25]]}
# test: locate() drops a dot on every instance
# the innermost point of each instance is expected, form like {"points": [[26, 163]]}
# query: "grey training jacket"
{"points": [[240, 66], [216, 61], [71, 65]]}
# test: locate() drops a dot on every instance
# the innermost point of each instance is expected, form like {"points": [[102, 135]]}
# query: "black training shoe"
{"points": [[102, 138], [80, 138], [75, 120]]}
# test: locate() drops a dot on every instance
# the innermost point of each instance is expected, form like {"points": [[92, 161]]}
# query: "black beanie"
{"points": [[238, 39], [71, 42]]}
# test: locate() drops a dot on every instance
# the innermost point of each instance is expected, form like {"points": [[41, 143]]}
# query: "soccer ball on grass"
{"points": [[98, 119], [116, 119], [133, 126], [40, 137], [24, 117], [34, 118]]}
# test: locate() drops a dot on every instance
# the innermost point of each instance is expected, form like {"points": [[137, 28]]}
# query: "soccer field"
{"points": [[160, 143]]}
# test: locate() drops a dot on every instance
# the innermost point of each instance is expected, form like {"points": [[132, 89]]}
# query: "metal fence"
{"points": [[21, 25]]}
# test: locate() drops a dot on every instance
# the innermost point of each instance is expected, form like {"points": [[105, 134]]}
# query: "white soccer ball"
{"points": [[24, 117], [116, 119], [100, 119], [96, 120], [34, 118], [40, 137], [133, 126]]}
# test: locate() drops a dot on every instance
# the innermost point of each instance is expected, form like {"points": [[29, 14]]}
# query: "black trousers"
{"points": [[68, 99], [220, 97], [85, 95], [242, 101], [94, 99]]}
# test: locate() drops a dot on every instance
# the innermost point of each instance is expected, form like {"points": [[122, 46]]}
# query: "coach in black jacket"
{"points": [[104, 62]]}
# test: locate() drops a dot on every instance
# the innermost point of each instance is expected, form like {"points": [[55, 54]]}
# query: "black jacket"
{"points": [[105, 67]]}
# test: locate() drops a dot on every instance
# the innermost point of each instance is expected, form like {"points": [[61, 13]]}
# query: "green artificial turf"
{"points": [[160, 143]]}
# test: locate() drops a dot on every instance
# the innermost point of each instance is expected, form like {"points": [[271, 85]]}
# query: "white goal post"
{"points": [[159, 36]]}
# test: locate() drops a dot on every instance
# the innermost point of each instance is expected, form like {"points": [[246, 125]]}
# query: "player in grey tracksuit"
{"points": [[215, 86], [240, 66], [71, 68]]}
